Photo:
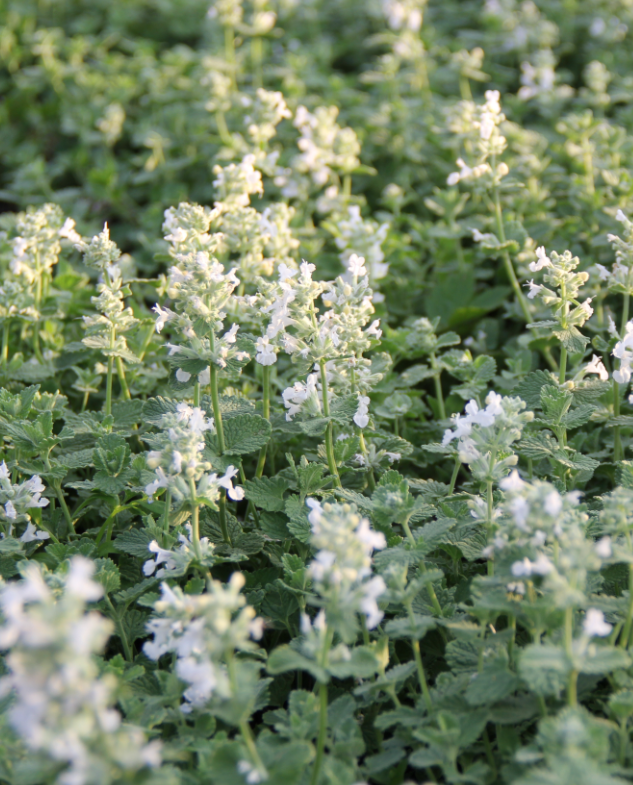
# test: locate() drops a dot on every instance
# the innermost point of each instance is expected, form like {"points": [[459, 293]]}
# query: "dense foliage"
{"points": [[315, 392]]}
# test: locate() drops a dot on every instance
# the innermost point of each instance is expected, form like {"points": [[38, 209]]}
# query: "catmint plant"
{"points": [[205, 632], [106, 330], [63, 708]]}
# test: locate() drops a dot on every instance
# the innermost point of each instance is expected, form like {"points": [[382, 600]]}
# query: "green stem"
{"points": [[166, 510], [415, 643], [624, 638], [329, 433], [122, 380], [245, 728], [195, 520], [217, 412], [562, 369], [108, 406], [261, 460], [489, 505], [120, 630], [617, 439], [422, 567], [257, 55], [451, 487], [4, 357], [506, 258], [229, 53], [572, 682], [438, 387], [322, 734]]}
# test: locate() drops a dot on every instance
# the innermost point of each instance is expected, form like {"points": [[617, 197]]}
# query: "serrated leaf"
{"points": [[244, 433], [284, 659], [267, 493], [155, 408], [491, 685], [135, 542], [529, 390]]}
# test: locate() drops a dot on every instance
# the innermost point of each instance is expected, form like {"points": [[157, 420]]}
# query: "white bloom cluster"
{"points": [[485, 121], [338, 336], [623, 351], [176, 561], [265, 114], [200, 290], [15, 502], [560, 270], [404, 14], [539, 78], [345, 543], [228, 12], [595, 625], [362, 237], [62, 706], [37, 246], [177, 459], [200, 629], [237, 182], [324, 144], [103, 254], [482, 433]]}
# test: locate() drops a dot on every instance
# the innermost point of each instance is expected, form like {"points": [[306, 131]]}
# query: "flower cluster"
{"points": [[15, 502], [357, 236], [178, 462], [105, 328], [485, 436], [200, 629], [325, 146], [345, 542], [62, 706], [485, 121], [570, 314]]}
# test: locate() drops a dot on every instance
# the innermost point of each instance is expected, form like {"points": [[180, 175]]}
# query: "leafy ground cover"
{"points": [[315, 392]]}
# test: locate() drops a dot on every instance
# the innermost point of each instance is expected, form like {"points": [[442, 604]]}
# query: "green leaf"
{"points": [[155, 408], [135, 542], [284, 658], [267, 493], [544, 667], [491, 685], [362, 665], [244, 433], [402, 628], [107, 574], [529, 390]]}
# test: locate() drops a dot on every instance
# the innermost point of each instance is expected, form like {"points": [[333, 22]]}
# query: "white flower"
{"points": [[235, 493], [265, 353], [204, 377], [68, 231], [535, 289], [512, 482], [182, 376], [597, 366], [595, 625], [10, 511], [543, 260], [356, 265], [361, 418], [32, 534], [603, 548], [553, 503], [525, 568]]}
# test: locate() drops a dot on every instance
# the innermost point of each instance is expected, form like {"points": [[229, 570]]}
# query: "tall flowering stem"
{"points": [[329, 432]]}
